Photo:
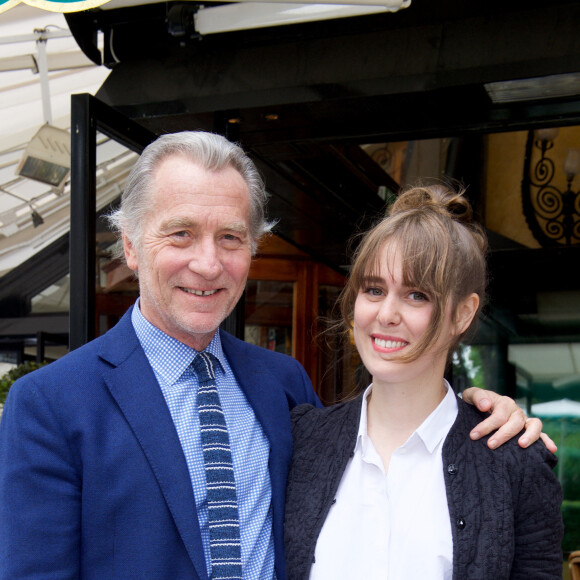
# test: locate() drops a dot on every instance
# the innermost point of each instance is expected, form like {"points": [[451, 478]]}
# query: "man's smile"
{"points": [[199, 292]]}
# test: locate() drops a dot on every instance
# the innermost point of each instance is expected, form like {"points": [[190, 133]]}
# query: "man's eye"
{"points": [[233, 240]]}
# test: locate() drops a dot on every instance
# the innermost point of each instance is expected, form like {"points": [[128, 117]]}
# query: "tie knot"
{"points": [[204, 366]]}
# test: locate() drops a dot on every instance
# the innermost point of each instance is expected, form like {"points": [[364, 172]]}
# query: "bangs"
{"points": [[424, 250]]}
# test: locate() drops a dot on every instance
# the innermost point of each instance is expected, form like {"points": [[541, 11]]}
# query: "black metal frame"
{"points": [[89, 115]]}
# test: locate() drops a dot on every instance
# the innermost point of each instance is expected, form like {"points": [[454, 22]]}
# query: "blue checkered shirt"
{"points": [[171, 361]]}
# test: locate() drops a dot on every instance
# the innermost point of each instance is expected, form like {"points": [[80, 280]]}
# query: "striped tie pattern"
{"points": [[224, 523]]}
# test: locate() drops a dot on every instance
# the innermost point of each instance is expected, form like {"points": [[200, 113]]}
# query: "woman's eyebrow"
{"points": [[372, 279]]}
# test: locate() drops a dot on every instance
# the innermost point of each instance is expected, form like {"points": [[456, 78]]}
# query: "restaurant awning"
{"points": [[253, 14]]}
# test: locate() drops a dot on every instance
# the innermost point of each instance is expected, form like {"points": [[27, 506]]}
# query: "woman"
{"points": [[390, 485]]}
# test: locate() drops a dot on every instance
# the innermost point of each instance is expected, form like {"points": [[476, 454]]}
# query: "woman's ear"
{"points": [[466, 310]]}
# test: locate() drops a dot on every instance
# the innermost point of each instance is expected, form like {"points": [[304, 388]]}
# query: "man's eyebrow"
{"points": [[178, 222], [187, 223], [239, 227]]}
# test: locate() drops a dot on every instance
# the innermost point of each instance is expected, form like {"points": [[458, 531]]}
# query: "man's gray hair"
{"points": [[210, 151]]}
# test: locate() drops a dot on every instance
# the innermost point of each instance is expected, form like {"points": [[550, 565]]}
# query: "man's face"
{"points": [[195, 252]]}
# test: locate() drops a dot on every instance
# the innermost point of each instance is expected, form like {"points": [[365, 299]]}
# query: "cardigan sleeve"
{"points": [[538, 518]]}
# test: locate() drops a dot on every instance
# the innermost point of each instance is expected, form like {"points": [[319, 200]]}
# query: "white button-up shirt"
{"points": [[391, 525]]}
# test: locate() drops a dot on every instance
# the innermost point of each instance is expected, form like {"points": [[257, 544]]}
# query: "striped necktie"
{"points": [[224, 523]]}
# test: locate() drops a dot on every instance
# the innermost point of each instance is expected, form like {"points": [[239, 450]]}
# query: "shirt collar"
{"points": [[158, 346], [436, 426], [363, 438], [433, 429]]}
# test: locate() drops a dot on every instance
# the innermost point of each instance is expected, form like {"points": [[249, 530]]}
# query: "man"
{"points": [[102, 472]]}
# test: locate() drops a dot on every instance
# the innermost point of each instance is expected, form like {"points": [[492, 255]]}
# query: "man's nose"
{"points": [[206, 259]]}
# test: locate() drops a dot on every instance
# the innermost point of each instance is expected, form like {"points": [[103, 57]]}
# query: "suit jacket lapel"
{"points": [[133, 385], [264, 392], [267, 397]]}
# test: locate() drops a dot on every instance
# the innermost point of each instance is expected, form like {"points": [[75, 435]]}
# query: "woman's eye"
{"points": [[373, 291], [418, 296]]}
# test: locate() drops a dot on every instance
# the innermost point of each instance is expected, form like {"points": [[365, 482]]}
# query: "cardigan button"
{"points": [[460, 523], [452, 469]]}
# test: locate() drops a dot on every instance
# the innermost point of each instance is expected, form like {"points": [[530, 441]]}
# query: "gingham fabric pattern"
{"points": [[224, 523], [171, 362]]}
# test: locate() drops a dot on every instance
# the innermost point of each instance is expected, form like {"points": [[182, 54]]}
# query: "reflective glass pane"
{"points": [[269, 311]]}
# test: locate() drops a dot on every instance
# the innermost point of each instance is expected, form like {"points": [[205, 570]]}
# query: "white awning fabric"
{"points": [[41, 66], [64, 6], [29, 98]]}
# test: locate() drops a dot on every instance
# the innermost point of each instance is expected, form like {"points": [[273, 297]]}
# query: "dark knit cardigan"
{"points": [[504, 504]]}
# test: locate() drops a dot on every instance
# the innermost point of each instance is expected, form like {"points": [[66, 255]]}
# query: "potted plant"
{"points": [[12, 375]]}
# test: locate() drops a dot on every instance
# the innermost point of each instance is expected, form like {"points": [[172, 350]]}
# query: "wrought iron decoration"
{"points": [[552, 215]]}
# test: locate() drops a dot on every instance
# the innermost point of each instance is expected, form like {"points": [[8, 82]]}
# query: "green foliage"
{"points": [[12, 375], [566, 434], [467, 363], [571, 515]]}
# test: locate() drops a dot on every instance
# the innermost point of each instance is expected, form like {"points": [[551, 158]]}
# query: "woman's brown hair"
{"points": [[442, 252]]}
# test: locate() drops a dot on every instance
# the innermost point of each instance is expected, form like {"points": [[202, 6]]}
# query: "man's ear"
{"points": [[130, 253], [466, 310]]}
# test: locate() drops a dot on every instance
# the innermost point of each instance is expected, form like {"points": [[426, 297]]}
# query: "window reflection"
{"points": [[269, 312]]}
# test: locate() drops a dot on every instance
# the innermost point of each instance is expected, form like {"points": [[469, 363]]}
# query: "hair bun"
{"points": [[438, 198]]}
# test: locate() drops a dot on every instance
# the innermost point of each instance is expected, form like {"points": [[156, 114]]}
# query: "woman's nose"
{"points": [[389, 313]]}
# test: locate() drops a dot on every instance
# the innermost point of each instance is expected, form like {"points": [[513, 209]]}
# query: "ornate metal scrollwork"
{"points": [[553, 216]]}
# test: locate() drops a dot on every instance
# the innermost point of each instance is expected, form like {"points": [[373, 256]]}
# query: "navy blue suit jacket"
{"points": [[93, 480]]}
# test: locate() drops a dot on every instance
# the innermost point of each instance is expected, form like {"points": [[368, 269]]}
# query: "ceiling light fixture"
{"points": [[248, 15], [533, 89], [47, 157]]}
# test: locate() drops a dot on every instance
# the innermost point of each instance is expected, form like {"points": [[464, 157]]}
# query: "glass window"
{"points": [[54, 298], [269, 314]]}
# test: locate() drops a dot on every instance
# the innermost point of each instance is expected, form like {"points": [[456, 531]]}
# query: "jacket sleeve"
{"points": [[39, 490], [298, 387], [538, 518]]}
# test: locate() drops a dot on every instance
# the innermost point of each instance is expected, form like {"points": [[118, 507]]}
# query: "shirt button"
{"points": [[460, 523], [452, 469]]}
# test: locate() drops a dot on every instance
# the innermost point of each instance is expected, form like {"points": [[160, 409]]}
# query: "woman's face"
{"points": [[390, 319]]}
